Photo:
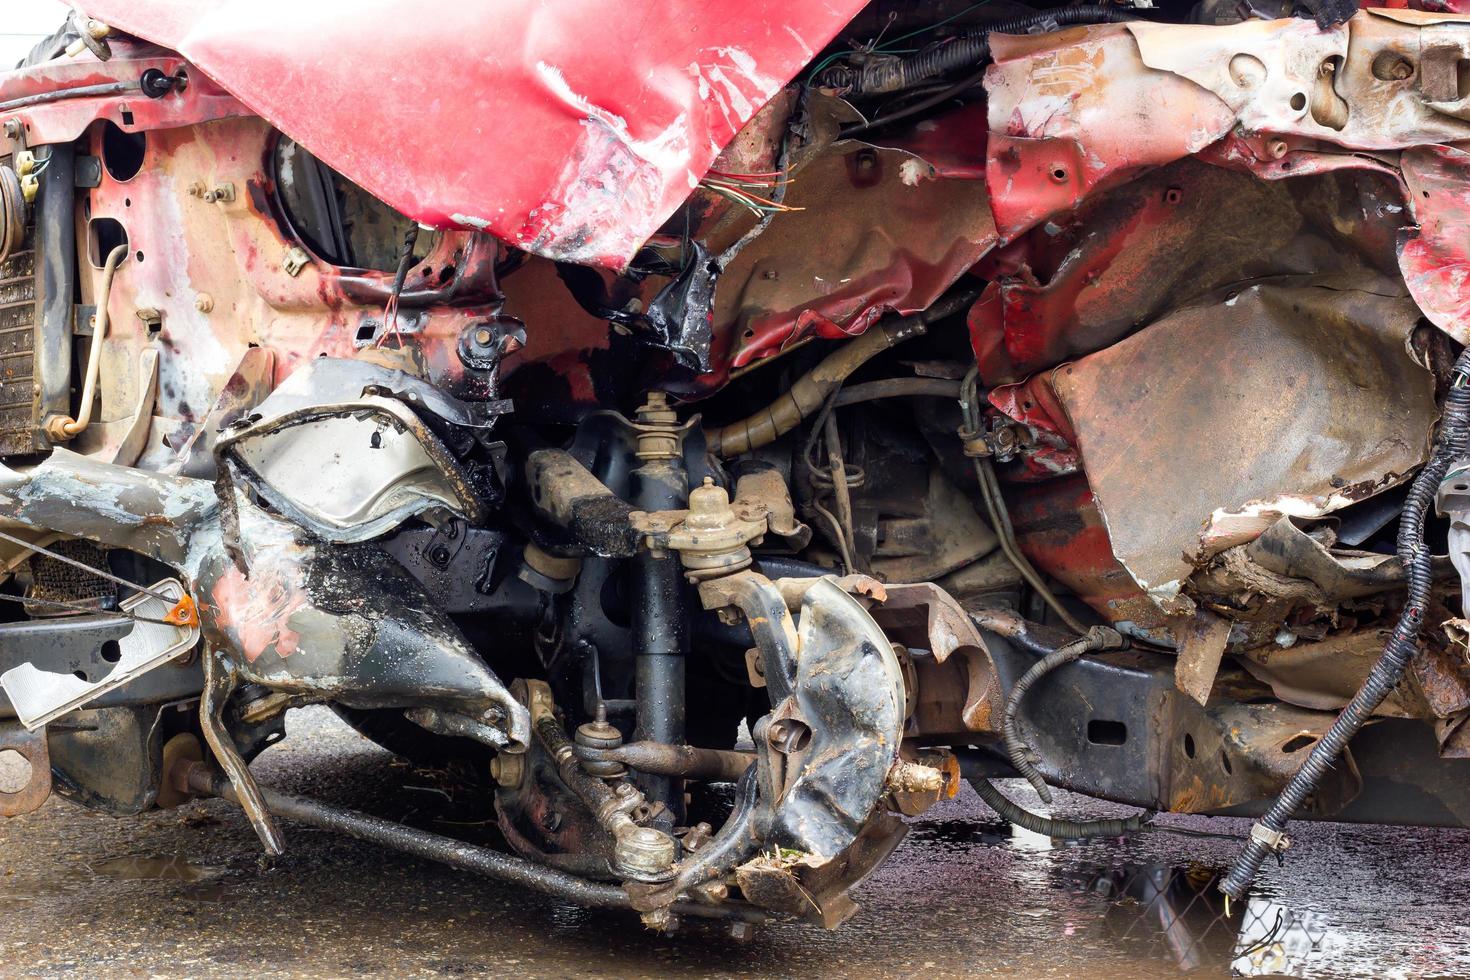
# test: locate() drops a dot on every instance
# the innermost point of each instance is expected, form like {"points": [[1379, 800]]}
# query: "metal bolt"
{"points": [[1277, 149], [645, 853], [439, 555], [508, 770], [12, 129], [483, 336], [204, 303]]}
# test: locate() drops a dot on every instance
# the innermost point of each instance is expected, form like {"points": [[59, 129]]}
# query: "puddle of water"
{"points": [[1114, 896], [201, 882], [141, 868]]}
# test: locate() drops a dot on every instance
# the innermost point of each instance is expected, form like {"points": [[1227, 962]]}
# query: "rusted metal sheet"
{"points": [[1060, 529], [64, 120], [1077, 111], [1268, 403], [882, 230], [1436, 260], [1324, 675], [30, 746], [625, 118], [1132, 254], [1341, 85], [1201, 645]]}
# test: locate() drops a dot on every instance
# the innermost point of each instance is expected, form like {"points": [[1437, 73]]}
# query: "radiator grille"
{"points": [[17, 354]]}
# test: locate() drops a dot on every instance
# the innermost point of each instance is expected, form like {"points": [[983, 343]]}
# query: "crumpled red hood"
{"points": [[569, 128]]}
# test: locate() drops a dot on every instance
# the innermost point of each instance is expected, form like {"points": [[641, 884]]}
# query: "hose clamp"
{"points": [[1275, 841]]}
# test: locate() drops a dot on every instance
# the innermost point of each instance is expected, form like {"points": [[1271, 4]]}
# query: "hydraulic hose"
{"points": [[812, 389], [995, 504], [1268, 835], [897, 388], [1022, 756], [968, 48], [60, 429], [1012, 812]]}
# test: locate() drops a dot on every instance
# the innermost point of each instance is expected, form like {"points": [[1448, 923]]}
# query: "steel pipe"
{"points": [[199, 778]]}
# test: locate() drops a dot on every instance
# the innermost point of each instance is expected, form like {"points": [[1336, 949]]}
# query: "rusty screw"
{"points": [[12, 129], [1277, 149]]}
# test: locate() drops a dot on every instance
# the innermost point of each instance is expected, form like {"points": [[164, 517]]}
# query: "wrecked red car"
{"points": [[724, 429]]}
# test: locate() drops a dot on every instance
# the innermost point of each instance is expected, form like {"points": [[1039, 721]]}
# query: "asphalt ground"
{"points": [[181, 893]]}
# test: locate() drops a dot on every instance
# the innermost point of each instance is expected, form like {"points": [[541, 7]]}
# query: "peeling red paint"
{"points": [[256, 611], [625, 117]]}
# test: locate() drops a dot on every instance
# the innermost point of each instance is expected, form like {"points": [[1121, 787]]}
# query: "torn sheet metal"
{"points": [[340, 449], [1077, 111], [624, 117], [41, 696], [1202, 643], [1132, 254], [882, 229], [1292, 397], [304, 617], [1287, 77], [1435, 260]]}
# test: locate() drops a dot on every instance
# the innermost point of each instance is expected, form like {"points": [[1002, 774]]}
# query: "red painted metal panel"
{"points": [[570, 128]]}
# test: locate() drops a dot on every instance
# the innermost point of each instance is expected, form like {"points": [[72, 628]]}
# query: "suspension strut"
{"points": [[659, 483]]}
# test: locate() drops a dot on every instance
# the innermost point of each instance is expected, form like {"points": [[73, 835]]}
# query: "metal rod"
{"points": [[219, 683], [660, 623], [80, 92], [446, 850], [687, 761], [171, 602]]}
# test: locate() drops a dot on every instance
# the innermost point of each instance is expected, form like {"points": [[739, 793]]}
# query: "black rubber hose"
{"points": [[1014, 813], [1022, 756], [965, 49], [1268, 834]]}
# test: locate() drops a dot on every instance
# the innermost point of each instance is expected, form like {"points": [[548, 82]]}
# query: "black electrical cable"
{"points": [[1021, 755], [1013, 812], [967, 48], [1268, 834], [897, 388], [909, 111]]}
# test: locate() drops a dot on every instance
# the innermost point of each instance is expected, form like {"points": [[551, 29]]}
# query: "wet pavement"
{"points": [[180, 894]]}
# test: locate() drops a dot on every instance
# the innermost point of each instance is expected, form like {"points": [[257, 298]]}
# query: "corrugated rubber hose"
{"points": [[1268, 834], [1014, 813], [968, 48], [1022, 756]]}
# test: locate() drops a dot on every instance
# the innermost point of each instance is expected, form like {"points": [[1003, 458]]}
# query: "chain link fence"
{"points": [[1177, 914]]}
